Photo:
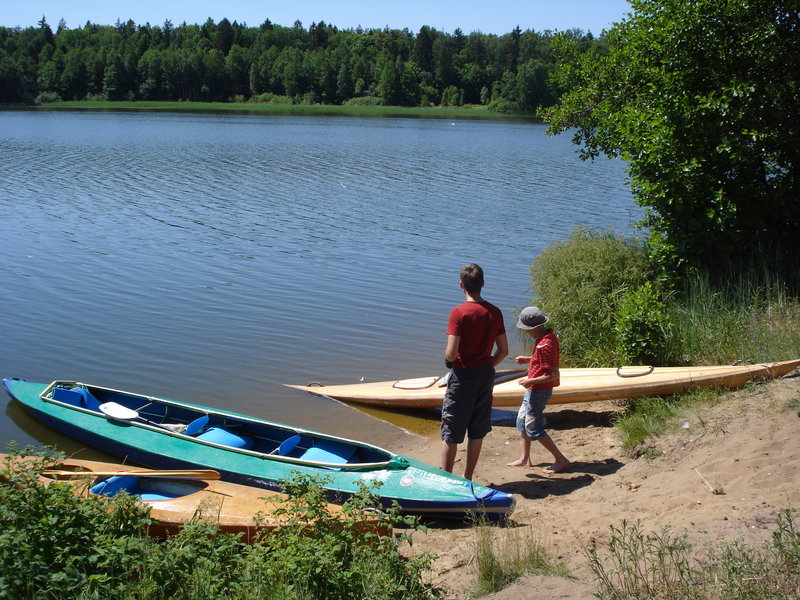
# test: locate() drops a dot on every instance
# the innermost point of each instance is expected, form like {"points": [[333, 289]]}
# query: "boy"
{"points": [[543, 376], [473, 330]]}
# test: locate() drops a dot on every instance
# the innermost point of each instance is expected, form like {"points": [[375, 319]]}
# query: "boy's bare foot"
{"points": [[520, 462], [557, 467]]}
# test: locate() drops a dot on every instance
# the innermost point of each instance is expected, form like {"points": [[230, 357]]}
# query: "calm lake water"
{"points": [[211, 258]]}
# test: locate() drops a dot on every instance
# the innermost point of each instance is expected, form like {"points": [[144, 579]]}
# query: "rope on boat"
{"points": [[650, 370]]}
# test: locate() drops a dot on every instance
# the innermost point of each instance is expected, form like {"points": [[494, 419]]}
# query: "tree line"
{"points": [[321, 64]]}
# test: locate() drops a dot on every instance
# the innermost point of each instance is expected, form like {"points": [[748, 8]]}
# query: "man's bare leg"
{"points": [[473, 453], [448, 456]]}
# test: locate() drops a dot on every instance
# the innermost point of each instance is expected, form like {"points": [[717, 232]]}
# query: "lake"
{"points": [[211, 258]]}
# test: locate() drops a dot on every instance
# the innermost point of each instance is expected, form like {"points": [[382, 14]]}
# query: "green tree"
{"points": [[391, 82], [701, 98], [423, 49]]}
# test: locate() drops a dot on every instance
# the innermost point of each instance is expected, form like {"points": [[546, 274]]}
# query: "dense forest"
{"points": [[270, 63]]}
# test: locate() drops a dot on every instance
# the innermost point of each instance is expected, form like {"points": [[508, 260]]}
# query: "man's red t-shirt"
{"points": [[545, 358], [477, 324]]}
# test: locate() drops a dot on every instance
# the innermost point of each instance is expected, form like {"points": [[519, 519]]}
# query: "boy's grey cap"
{"points": [[531, 317]]}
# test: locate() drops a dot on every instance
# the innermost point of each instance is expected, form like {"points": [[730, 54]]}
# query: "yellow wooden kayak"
{"points": [[177, 497], [577, 385]]}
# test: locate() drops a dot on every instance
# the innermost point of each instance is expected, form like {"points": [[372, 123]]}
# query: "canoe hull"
{"points": [[577, 385], [417, 487]]}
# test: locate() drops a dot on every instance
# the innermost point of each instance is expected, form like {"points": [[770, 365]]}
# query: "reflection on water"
{"points": [[213, 258]]}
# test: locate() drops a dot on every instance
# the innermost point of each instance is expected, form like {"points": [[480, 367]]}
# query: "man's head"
{"points": [[472, 278], [530, 318]]}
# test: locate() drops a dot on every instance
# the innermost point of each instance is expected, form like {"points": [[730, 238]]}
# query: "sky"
{"points": [[486, 16]]}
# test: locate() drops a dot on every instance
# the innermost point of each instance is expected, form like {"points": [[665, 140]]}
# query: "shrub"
{"points": [[580, 283], [642, 327], [269, 98], [54, 545], [47, 97], [364, 101]]}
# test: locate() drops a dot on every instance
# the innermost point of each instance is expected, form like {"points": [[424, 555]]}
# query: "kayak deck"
{"points": [[577, 385]]}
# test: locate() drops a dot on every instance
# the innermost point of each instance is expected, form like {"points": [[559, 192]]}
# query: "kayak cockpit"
{"points": [[234, 432]]}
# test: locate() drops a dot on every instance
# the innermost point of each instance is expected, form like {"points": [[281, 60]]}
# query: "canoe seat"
{"points": [[90, 401], [72, 396], [328, 451], [197, 426], [287, 445], [114, 485], [221, 436], [131, 484], [78, 396]]}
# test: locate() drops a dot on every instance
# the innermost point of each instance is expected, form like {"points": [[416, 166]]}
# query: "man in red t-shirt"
{"points": [[543, 376], [473, 330]]}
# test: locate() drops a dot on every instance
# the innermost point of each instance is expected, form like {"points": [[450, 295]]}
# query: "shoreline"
{"points": [[255, 108]]}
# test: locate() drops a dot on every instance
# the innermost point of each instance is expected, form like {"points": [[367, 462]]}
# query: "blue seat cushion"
{"points": [[328, 451], [196, 426], [287, 445], [221, 436], [72, 396], [114, 485], [90, 401]]}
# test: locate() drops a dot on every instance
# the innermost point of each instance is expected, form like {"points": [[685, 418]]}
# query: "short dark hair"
{"points": [[472, 278]]}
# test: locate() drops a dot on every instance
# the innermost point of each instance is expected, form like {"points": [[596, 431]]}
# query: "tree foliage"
{"points": [[322, 64], [701, 99]]}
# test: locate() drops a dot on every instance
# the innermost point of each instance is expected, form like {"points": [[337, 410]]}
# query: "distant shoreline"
{"points": [[471, 112]]}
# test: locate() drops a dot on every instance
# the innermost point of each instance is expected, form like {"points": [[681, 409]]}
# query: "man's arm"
{"points": [[502, 348], [451, 351]]}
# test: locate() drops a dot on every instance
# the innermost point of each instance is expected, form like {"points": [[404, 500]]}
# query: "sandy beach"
{"points": [[723, 474]]}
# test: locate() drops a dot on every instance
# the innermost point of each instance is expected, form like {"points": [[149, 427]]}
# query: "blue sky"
{"points": [[487, 16]]}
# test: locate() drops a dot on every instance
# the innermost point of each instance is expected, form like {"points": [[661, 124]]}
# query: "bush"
{"points": [[47, 97], [580, 285], [268, 98], [642, 327], [364, 101], [54, 545]]}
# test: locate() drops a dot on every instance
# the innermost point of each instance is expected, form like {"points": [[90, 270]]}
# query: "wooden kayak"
{"points": [[166, 434], [577, 385], [176, 499]]}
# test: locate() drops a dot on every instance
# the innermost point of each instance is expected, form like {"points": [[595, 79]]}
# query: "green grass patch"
{"points": [[646, 418], [663, 566], [259, 108], [503, 554]]}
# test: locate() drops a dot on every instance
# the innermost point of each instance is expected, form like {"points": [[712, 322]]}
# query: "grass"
{"points": [[750, 318], [502, 554], [663, 566], [646, 418], [256, 108]]}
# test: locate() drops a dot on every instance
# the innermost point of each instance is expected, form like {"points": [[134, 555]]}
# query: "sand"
{"points": [[724, 474]]}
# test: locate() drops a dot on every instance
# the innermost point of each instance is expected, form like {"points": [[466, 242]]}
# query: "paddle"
{"points": [[189, 474]]}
